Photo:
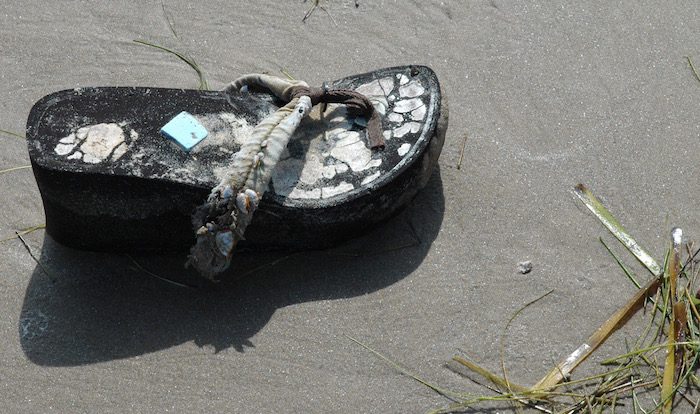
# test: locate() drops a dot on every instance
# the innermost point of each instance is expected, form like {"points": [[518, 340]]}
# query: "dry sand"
{"points": [[550, 94]]}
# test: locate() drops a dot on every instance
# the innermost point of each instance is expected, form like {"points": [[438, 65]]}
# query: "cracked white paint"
{"points": [[119, 151], [356, 155], [100, 141], [418, 114], [343, 187], [411, 90], [333, 151], [370, 178], [407, 105], [64, 149], [347, 138], [312, 170], [305, 194], [371, 89], [394, 117], [91, 159], [330, 171], [377, 91], [380, 104], [96, 143], [403, 149], [404, 129], [387, 84]]}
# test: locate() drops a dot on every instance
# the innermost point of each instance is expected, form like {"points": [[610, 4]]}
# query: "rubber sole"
{"points": [[110, 182]]}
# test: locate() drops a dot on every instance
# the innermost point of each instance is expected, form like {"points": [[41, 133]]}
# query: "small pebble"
{"points": [[525, 267]]}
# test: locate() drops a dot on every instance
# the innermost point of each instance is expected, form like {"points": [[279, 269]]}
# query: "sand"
{"points": [[549, 95]]}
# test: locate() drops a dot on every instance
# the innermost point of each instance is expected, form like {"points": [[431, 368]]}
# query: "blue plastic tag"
{"points": [[185, 131]]}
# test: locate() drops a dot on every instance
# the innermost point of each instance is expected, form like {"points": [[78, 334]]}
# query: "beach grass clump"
{"points": [[661, 363], [655, 374]]}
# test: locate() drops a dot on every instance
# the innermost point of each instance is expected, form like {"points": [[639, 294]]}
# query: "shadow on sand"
{"points": [[99, 307]]}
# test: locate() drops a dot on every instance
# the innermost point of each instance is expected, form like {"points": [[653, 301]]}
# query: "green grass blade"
{"points": [[449, 394], [505, 330], [641, 351], [624, 268], [190, 61], [12, 134], [169, 19], [611, 223], [692, 67]]}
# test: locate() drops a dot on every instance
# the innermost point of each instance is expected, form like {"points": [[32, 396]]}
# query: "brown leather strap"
{"points": [[357, 104]]}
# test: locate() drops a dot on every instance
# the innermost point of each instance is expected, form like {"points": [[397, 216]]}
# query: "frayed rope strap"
{"points": [[221, 221]]}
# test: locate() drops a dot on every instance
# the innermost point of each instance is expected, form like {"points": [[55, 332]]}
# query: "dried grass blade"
{"points": [[268, 265], [157, 276], [495, 379], [667, 385], [24, 232], [611, 223], [680, 316], [32, 229], [310, 11], [31, 254], [564, 368], [693, 308], [286, 73], [23, 167], [461, 153]]}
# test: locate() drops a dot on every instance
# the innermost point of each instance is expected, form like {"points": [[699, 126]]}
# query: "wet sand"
{"points": [[549, 95]]}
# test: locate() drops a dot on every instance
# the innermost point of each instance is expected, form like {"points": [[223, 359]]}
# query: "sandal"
{"points": [[154, 169]]}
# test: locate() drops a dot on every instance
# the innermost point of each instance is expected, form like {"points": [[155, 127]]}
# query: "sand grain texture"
{"points": [[550, 95]]}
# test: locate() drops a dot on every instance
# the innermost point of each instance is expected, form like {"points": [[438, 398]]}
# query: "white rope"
{"points": [[221, 222]]}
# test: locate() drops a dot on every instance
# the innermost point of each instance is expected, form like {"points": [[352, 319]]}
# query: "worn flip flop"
{"points": [[123, 168]]}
